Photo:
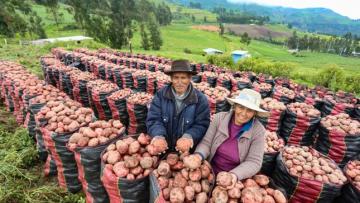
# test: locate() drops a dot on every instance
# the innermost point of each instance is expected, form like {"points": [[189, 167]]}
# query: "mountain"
{"points": [[321, 20]]}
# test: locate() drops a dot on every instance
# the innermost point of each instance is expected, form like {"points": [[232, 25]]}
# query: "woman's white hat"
{"points": [[250, 99]]}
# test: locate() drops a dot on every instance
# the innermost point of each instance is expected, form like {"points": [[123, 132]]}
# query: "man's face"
{"points": [[180, 82]]}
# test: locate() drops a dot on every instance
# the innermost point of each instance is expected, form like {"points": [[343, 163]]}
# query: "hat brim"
{"points": [[180, 71], [260, 112]]}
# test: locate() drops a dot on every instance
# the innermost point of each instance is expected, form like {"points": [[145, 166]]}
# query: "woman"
{"points": [[234, 141]]}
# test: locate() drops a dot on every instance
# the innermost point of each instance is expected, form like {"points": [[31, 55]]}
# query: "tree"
{"points": [[144, 38], [163, 14], [35, 26], [205, 19], [293, 41], [11, 22], [193, 18], [245, 39], [222, 29], [155, 35], [52, 6]]}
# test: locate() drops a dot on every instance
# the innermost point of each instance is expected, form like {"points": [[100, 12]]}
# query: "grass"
{"points": [[21, 176]]}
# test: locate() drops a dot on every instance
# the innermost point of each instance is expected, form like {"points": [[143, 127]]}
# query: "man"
{"points": [[179, 113]]}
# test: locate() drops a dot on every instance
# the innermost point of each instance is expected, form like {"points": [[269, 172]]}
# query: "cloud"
{"points": [[345, 7]]}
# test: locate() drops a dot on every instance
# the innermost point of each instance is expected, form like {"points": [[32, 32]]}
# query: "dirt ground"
{"points": [[254, 31]]}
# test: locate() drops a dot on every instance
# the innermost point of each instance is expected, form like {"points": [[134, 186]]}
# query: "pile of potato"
{"points": [[283, 91], [52, 95], [217, 93], [141, 98], [342, 123], [225, 76], [266, 87], [97, 133], [272, 142], [130, 158], [184, 178], [307, 163], [82, 75], [120, 94], [242, 79], [353, 172], [303, 110], [65, 116], [102, 86], [256, 189], [272, 104], [208, 74]]}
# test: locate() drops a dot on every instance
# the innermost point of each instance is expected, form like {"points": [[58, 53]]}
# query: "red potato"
{"points": [[352, 171], [131, 161], [262, 86], [164, 168], [261, 180], [146, 162], [284, 92], [140, 98], [158, 146], [98, 132], [144, 139], [122, 147], [272, 104], [163, 182], [273, 143], [134, 147], [196, 185], [201, 197], [219, 195], [192, 161], [341, 123], [177, 195], [179, 181], [166, 193], [226, 180], [120, 170], [279, 197], [303, 110], [195, 175], [189, 193], [113, 157], [172, 159], [307, 163]]}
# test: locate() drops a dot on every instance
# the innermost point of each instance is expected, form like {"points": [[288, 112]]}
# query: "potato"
{"points": [[234, 193], [131, 161], [268, 199], [144, 139], [146, 162], [93, 142], [196, 185], [172, 159], [279, 197], [261, 180], [205, 185], [120, 170], [164, 168], [134, 147], [179, 181], [192, 161], [163, 182], [195, 175], [113, 157], [189, 193], [177, 195], [219, 195], [122, 147], [201, 197]]}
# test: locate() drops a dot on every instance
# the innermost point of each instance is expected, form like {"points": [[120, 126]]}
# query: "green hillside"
{"points": [[319, 20]]}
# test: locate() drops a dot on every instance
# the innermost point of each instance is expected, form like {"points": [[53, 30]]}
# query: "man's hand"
{"points": [[159, 145], [184, 144]]}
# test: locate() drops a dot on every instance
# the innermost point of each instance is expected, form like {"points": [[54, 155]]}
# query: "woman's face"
{"points": [[242, 114]]}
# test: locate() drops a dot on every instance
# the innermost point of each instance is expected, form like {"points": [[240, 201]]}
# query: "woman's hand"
{"points": [[184, 144]]}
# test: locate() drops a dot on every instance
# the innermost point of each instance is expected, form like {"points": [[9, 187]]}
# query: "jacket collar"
{"points": [[192, 98], [224, 126]]}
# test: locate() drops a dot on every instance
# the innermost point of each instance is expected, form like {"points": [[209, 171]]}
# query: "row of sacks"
{"points": [[337, 136], [84, 152], [105, 98], [329, 103], [297, 124], [139, 80]]}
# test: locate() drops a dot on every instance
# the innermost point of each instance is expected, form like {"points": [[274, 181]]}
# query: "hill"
{"points": [[320, 20]]}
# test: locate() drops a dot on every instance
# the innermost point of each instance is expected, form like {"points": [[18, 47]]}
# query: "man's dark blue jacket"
{"points": [[194, 118]]}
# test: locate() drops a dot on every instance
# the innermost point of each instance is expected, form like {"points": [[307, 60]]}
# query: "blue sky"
{"points": [[350, 8]]}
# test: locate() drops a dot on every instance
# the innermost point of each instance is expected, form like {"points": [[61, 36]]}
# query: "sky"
{"points": [[349, 8]]}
